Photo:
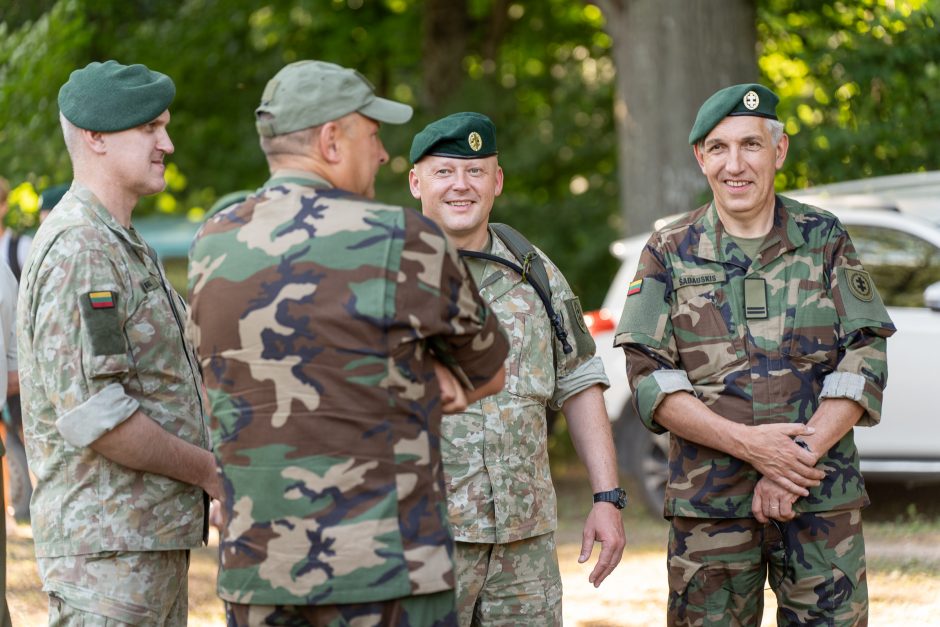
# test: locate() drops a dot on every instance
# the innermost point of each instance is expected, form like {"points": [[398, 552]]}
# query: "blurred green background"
{"points": [[858, 81]]}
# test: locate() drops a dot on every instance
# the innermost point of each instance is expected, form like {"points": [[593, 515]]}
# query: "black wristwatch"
{"points": [[617, 497]]}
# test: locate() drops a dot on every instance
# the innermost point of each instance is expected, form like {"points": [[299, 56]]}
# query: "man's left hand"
{"points": [[603, 525]]}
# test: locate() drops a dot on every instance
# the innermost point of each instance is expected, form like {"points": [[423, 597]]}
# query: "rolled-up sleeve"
{"points": [[82, 358], [862, 372], [99, 414]]}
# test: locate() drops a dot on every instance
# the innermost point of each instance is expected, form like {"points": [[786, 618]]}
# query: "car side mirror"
{"points": [[932, 296]]}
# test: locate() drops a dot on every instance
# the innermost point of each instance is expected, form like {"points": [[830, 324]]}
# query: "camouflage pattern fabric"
{"points": [[505, 585], [759, 341], [499, 485], [313, 311], [117, 588], [101, 335], [426, 610], [815, 564]]}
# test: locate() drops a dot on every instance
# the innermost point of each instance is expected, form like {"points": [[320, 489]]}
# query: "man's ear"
{"points": [[413, 183], [328, 142], [94, 140]]}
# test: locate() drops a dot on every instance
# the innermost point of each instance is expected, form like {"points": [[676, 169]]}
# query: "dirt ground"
{"points": [[903, 554]]}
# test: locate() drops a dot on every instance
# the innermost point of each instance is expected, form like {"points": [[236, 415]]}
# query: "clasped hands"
{"points": [[787, 469]]}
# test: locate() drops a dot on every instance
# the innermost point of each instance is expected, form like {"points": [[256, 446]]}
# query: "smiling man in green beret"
{"points": [[500, 496], [115, 426], [755, 337]]}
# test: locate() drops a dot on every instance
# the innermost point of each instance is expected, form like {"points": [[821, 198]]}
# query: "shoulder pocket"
{"points": [[102, 322], [645, 314], [859, 303]]}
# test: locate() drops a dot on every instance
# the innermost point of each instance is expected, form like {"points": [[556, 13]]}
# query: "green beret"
{"points": [[51, 196], [112, 97], [746, 99], [462, 135]]}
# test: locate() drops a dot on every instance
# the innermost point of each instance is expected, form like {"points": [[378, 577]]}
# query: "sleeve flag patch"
{"points": [[101, 300], [635, 287]]}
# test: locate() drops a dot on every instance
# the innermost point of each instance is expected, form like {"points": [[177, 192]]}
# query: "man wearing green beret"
{"points": [[116, 430], [755, 337], [501, 500], [320, 314]]}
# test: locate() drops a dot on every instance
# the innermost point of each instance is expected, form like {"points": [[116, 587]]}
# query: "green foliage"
{"points": [[858, 83], [858, 80], [548, 87]]}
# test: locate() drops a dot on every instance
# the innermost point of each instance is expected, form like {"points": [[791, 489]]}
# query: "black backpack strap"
{"points": [[532, 270], [13, 259]]}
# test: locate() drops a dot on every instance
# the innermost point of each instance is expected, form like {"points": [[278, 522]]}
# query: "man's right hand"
{"points": [[772, 452]]}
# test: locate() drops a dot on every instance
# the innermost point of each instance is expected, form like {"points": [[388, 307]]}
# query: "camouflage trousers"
{"points": [[426, 610], [117, 588], [815, 565], [517, 583]]}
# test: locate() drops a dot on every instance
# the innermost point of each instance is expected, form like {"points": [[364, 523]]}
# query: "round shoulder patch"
{"points": [[475, 141], [751, 100], [860, 284]]}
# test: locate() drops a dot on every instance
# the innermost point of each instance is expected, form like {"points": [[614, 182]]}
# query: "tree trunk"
{"points": [[446, 27], [670, 56]]}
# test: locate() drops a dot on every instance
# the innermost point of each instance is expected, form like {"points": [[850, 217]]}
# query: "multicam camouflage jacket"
{"points": [[312, 312], [101, 335], [499, 487], [759, 341]]}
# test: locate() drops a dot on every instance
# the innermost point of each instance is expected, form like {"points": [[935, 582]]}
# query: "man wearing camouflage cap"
{"points": [[318, 315], [755, 337], [116, 431], [500, 495]]}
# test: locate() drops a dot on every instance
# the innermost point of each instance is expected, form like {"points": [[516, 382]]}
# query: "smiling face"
{"points": [[135, 156], [458, 194], [739, 159]]}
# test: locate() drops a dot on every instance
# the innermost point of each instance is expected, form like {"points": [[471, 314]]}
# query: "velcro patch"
{"points": [[101, 300], [755, 299]]}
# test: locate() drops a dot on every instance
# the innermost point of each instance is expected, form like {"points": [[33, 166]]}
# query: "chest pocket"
{"points": [[706, 337], [530, 366], [154, 337], [812, 331]]}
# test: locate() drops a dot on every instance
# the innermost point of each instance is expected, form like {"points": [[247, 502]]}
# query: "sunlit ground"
{"points": [[904, 572]]}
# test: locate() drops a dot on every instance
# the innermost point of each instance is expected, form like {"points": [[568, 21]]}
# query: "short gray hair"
{"points": [[295, 143], [776, 130], [72, 136]]}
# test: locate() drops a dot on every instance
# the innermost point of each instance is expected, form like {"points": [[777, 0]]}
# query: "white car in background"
{"points": [[894, 222]]}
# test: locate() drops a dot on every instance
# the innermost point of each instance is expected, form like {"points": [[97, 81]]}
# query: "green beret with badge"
{"points": [[111, 97], [746, 99], [465, 135]]}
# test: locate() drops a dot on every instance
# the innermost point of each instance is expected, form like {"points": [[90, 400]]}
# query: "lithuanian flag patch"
{"points": [[101, 300], [635, 287]]}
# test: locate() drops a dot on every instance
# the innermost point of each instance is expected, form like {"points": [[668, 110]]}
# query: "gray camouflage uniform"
{"points": [[100, 337], [499, 485]]}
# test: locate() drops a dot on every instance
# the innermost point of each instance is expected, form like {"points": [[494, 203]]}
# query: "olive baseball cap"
{"points": [[745, 99], [310, 93], [110, 97], [465, 135]]}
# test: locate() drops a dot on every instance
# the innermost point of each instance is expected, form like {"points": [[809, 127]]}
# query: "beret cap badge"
{"points": [[475, 141], [751, 100]]}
